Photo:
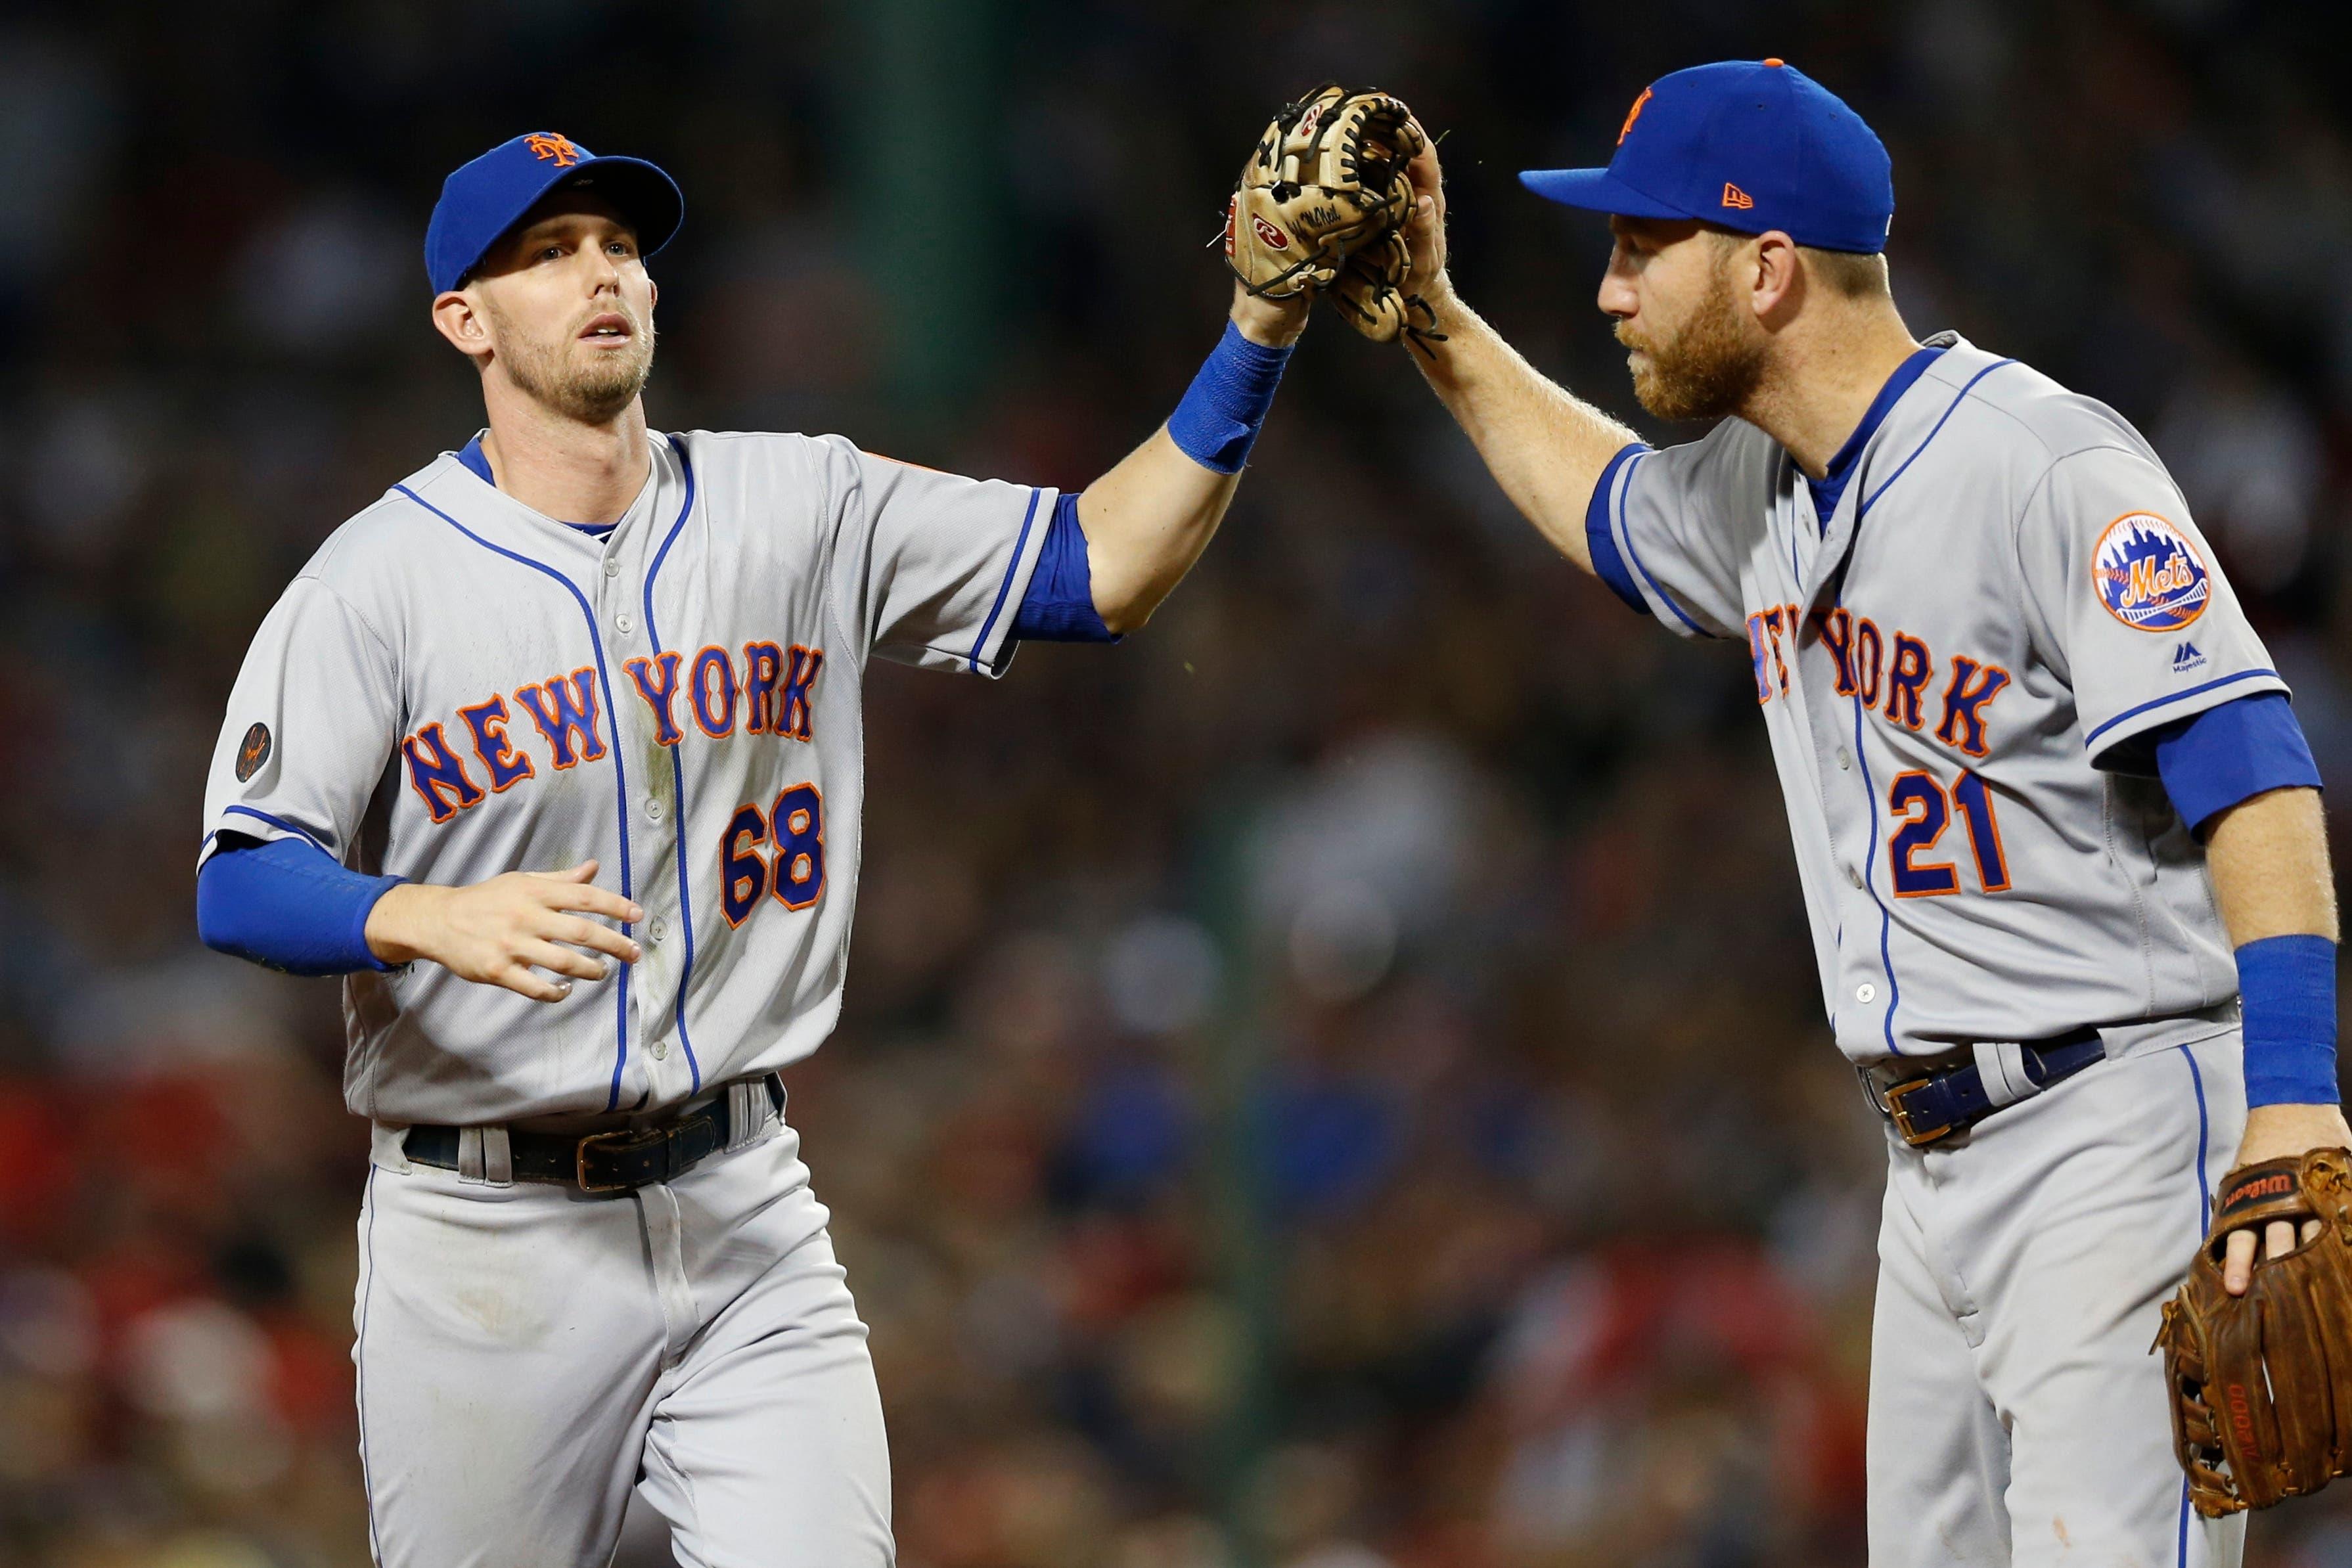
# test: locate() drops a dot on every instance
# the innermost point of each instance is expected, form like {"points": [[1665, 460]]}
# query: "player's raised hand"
{"points": [[503, 931], [1424, 230]]}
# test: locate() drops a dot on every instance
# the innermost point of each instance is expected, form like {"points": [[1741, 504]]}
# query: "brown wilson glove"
{"points": [[2262, 1384], [1326, 178]]}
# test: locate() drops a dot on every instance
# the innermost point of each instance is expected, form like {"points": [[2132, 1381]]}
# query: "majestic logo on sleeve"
{"points": [[2148, 575], [252, 752]]}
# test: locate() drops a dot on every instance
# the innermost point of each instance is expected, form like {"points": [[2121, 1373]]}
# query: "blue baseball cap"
{"points": [[483, 199], [1750, 145]]}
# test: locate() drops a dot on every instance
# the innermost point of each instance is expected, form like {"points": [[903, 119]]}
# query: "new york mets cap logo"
{"points": [[2148, 574], [553, 146]]}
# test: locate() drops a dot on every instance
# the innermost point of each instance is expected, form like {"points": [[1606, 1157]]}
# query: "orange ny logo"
{"points": [[545, 144], [1631, 115]]}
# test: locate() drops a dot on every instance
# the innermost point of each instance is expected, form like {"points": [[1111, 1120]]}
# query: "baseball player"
{"points": [[2058, 830], [555, 753]]}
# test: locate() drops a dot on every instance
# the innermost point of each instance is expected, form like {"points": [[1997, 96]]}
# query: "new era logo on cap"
{"points": [[1750, 145]]}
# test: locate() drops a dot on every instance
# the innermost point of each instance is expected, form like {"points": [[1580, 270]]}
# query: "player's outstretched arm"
{"points": [[1545, 447], [498, 932], [2268, 860], [1149, 518]]}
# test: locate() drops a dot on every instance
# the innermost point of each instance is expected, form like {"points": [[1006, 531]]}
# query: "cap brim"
{"points": [[1596, 191], [640, 192]]}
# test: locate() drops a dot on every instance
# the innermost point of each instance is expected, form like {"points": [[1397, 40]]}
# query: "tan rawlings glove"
{"points": [[1326, 181], [2262, 1384], [1374, 292]]}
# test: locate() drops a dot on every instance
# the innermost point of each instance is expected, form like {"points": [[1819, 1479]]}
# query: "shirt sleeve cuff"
{"points": [[1608, 560], [2124, 742], [2231, 753], [992, 654]]}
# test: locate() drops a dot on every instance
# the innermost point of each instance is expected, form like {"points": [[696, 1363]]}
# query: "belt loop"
{"points": [[485, 1157], [740, 1125], [2000, 1067]]}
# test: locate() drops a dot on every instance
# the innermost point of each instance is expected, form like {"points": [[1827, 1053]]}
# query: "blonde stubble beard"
{"points": [[593, 393]]}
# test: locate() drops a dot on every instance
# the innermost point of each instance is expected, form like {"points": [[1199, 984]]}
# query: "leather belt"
{"points": [[1934, 1104], [621, 1160]]}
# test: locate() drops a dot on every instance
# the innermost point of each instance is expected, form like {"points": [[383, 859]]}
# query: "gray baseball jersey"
{"points": [[457, 686], [1955, 672]]}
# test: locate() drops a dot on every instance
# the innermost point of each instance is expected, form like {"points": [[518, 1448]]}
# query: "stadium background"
{"points": [[1336, 1082]]}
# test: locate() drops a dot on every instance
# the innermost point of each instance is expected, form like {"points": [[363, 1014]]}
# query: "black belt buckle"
{"points": [[621, 1144], [1898, 1110]]}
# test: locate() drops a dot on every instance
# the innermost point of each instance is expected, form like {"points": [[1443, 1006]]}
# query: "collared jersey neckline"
{"points": [[1828, 489], [479, 466]]}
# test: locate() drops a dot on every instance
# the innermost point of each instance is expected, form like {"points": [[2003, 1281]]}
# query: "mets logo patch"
{"points": [[2148, 575], [252, 752]]}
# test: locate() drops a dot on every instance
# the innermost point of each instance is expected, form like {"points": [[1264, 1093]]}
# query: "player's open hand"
{"points": [[1424, 231], [2275, 1132], [503, 932]]}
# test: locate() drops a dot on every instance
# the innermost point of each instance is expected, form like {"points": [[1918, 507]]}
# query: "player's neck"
{"points": [[1821, 382], [570, 471]]}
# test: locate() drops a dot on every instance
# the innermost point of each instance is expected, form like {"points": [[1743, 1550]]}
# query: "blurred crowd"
{"points": [[1337, 1081]]}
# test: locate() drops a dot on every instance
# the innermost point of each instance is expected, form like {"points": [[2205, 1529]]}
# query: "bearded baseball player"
{"points": [[2058, 830], [555, 753]]}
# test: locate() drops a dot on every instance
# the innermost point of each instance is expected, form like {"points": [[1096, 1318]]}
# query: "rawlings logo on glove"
{"points": [[1326, 194]]}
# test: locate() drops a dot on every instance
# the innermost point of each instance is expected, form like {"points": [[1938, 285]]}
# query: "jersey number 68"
{"points": [[796, 874]]}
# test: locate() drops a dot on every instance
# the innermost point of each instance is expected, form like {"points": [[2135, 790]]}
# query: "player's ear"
{"points": [[1777, 281], [457, 318]]}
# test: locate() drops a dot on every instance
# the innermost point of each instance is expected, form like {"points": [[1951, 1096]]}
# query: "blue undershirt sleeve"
{"points": [[286, 904], [1608, 560], [1059, 606], [2230, 753]]}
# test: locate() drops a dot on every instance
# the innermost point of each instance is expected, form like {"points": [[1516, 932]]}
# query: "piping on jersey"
{"points": [[1625, 489], [620, 773], [2174, 697], [677, 769], [1869, 872], [2204, 1207], [1870, 790], [1020, 547]]}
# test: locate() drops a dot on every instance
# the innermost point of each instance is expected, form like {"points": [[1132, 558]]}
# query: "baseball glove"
{"points": [[1374, 293], [1326, 181], [2262, 1384]]}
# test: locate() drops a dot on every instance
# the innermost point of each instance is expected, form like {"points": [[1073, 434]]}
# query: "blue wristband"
{"points": [[1217, 422], [2287, 985]]}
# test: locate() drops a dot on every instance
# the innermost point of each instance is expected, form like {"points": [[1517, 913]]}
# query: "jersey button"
{"points": [[1865, 993], [1854, 874], [611, 566], [1845, 760], [652, 811], [658, 929], [624, 623], [661, 1051]]}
